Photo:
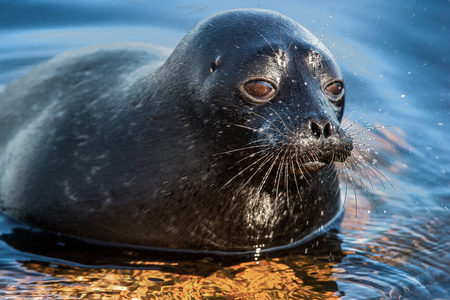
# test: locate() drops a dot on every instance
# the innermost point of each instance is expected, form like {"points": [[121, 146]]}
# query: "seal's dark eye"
{"points": [[259, 91], [335, 91]]}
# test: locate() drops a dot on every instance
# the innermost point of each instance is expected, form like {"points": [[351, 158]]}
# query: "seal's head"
{"points": [[268, 98], [261, 79]]}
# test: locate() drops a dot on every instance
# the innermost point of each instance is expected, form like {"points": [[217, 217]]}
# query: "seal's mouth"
{"points": [[314, 165], [310, 164]]}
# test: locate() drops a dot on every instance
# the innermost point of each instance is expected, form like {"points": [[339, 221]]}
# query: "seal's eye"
{"points": [[335, 91], [259, 91]]}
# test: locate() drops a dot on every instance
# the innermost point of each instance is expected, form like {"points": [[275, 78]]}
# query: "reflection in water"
{"points": [[149, 275], [299, 278]]}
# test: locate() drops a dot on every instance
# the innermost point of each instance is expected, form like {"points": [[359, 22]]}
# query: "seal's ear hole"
{"points": [[215, 64], [259, 91], [212, 67], [335, 91]]}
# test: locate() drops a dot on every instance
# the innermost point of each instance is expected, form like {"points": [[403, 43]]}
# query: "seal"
{"points": [[228, 144]]}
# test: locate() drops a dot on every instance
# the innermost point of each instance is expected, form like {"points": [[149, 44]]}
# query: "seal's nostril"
{"points": [[316, 129], [327, 130]]}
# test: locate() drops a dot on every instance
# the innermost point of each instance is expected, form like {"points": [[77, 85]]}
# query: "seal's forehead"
{"points": [[254, 26], [255, 37]]}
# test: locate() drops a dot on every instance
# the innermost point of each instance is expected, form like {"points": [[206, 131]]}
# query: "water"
{"points": [[395, 58]]}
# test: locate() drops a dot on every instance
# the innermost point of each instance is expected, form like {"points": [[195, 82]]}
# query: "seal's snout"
{"points": [[322, 142]]}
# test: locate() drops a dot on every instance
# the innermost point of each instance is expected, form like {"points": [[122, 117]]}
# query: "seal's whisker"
{"points": [[240, 149], [268, 157], [251, 155], [270, 45], [279, 38], [315, 155], [355, 166], [245, 127], [281, 120], [286, 177], [362, 184], [294, 175], [271, 157], [367, 129], [365, 158], [377, 173], [263, 181], [348, 117], [364, 115], [357, 120], [278, 175], [242, 171], [323, 32], [345, 170], [354, 190], [292, 41], [338, 41], [336, 179], [260, 141], [358, 168], [299, 163], [275, 128], [251, 129], [277, 178], [346, 173], [363, 142]]}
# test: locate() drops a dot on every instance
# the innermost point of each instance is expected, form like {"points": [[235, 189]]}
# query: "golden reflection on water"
{"points": [[264, 279]]}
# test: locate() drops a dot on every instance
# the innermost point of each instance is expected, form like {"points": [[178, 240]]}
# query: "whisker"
{"points": [[292, 41], [263, 181], [294, 175], [270, 45], [251, 155], [240, 149], [278, 175], [323, 31], [268, 158], [242, 171], [281, 120], [368, 193], [275, 128]]}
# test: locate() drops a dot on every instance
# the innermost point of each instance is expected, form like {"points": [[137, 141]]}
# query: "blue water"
{"points": [[393, 244]]}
